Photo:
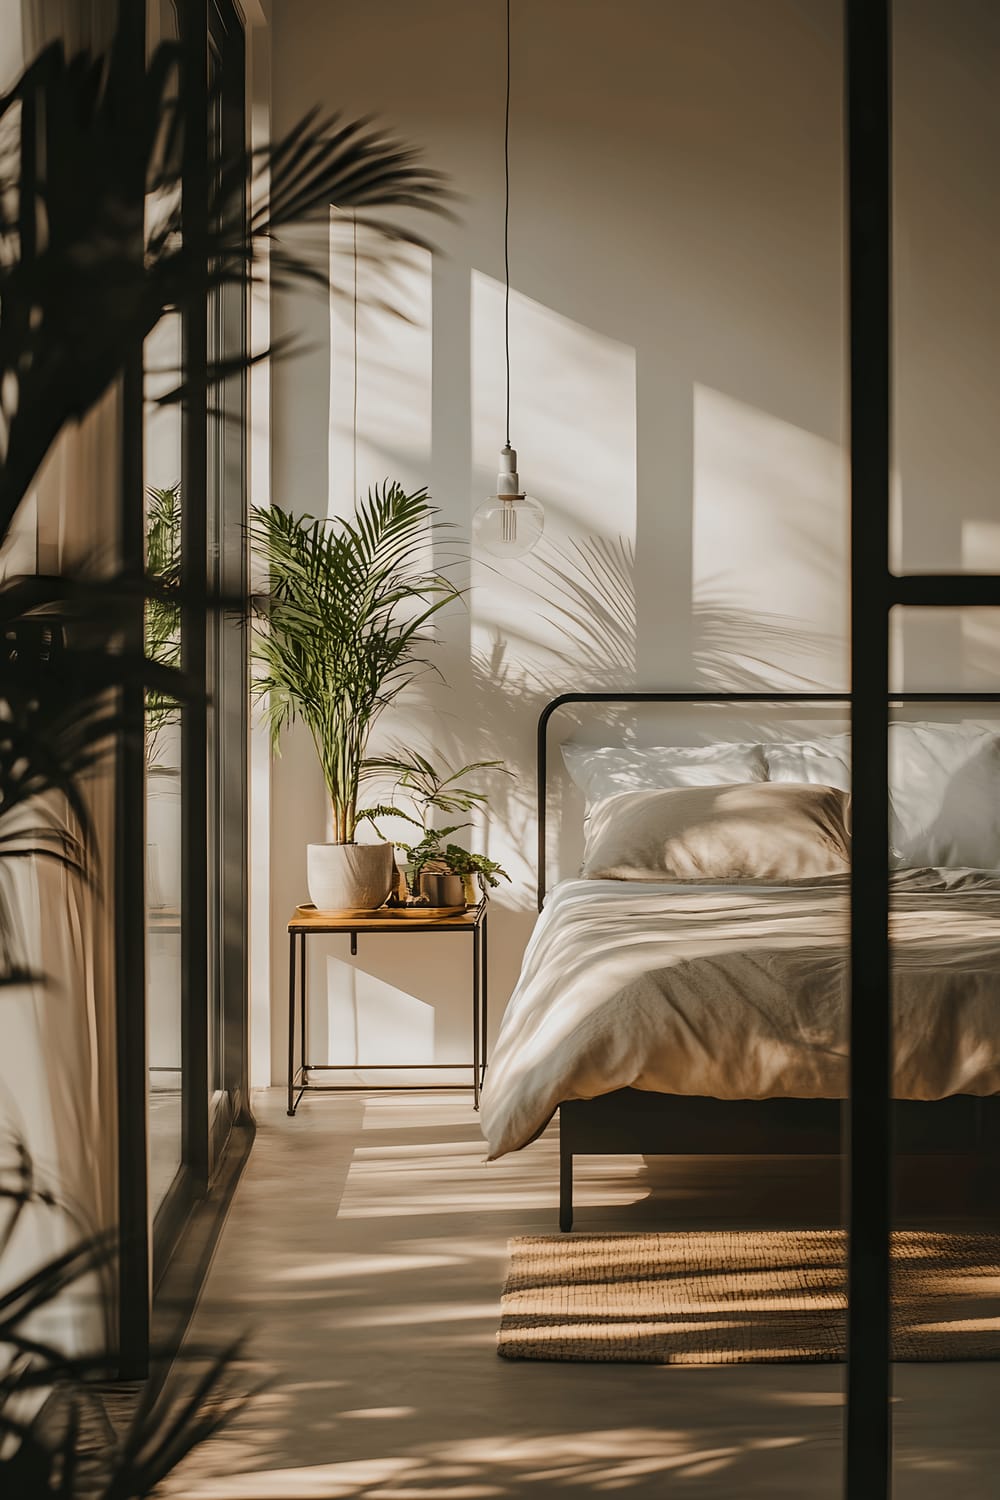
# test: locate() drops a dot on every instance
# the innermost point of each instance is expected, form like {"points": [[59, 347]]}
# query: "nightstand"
{"points": [[306, 921]]}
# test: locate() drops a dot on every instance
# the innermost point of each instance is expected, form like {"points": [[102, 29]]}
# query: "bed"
{"points": [[708, 1015]]}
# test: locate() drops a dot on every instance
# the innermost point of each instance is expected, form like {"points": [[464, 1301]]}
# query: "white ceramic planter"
{"points": [[163, 838], [349, 877]]}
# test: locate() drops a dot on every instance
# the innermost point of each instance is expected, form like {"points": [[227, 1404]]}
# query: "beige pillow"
{"points": [[779, 831]]}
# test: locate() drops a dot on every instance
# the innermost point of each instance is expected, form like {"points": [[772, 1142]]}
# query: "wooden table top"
{"points": [[386, 919]]}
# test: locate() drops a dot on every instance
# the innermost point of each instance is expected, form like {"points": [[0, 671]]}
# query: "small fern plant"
{"points": [[162, 608]]}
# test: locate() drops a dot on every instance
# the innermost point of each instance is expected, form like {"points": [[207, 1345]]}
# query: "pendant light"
{"points": [[509, 523]]}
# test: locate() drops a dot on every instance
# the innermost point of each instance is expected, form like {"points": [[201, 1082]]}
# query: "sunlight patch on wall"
{"points": [[369, 1020], [980, 648], [769, 550]]}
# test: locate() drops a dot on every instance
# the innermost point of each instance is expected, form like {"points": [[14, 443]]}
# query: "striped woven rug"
{"points": [[740, 1297]]}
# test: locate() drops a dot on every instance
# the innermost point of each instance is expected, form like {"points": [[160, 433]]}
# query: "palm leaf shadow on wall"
{"points": [[586, 596]]}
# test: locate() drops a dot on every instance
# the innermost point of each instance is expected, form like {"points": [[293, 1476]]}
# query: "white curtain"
{"points": [[57, 1062]]}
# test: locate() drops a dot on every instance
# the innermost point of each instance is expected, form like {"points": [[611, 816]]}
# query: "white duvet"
{"points": [[738, 992]]}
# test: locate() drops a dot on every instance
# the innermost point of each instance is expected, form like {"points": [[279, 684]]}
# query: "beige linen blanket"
{"points": [[739, 992]]}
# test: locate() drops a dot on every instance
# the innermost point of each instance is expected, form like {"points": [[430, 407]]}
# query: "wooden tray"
{"points": [[309, 910], [432, 913], [380, 913]]}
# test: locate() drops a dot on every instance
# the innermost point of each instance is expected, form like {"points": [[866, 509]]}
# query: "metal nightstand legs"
{"points": [[480, 989], [483, 1008], [476, 985], [299, 1081]]}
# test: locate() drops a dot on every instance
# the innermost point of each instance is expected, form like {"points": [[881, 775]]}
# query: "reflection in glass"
{"points": [[163, 778]]}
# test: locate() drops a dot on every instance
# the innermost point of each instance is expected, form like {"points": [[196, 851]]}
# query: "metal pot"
{"points": [[442, 889]]}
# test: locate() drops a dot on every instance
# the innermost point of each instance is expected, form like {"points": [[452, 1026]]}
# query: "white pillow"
{"points": [[761, 831], [944, 789], [944, 784], [604, 770], [820, 762]]}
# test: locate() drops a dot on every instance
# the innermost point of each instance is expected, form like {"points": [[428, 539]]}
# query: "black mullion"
{"points": [[954, 590], [234, 640], [130, 818], [194, 563], [868, 1436], [229, 637], [130, 938]]}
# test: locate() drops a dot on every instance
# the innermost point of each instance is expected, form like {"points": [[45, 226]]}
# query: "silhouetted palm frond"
{"points": [[93, 252], [46, 1452], [88, 264], [162, 610], [64, 659]]}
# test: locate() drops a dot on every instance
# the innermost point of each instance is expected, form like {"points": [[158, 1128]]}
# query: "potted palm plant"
{"points": [[163, 646], [342, 632]]}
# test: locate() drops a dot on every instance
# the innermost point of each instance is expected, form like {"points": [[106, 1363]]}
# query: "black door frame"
{"points": [[875, 591], [134, 1259], [868, 1433], [227, 655], [144, 1249]]}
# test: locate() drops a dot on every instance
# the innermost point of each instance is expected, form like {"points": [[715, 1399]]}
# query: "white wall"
{"points": [[947, 118], [678, 354]]}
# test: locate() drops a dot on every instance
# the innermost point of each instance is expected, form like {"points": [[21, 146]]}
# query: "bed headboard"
{"points": [[772, 699]]}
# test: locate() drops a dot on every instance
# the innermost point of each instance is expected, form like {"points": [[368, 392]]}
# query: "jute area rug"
{"points": [[740, 1297]]}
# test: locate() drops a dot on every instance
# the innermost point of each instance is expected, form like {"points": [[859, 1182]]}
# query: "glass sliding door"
{"points": [[164, 790], [226, 654], [165, 773], [195, 754]]}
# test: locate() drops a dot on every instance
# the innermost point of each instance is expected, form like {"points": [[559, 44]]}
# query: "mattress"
{"points": [[740, 992]]}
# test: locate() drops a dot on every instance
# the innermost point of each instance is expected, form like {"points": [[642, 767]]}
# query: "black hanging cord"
{"points": [[506, 226]]}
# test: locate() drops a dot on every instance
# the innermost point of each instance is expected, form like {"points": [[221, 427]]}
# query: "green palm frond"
{"points": [[64, 659], [380, 810], [414, 774], [344, 628], [162, 609]]}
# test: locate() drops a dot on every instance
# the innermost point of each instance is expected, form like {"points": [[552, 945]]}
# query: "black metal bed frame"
{"points": [[763, 699], [631, 1121]]}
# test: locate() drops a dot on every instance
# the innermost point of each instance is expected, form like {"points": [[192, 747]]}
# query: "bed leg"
{"points": [[565, 1187], [987, 1147]]}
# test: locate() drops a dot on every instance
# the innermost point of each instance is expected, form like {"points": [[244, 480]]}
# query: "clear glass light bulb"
{"points": [[509, 523], [507, 526]]}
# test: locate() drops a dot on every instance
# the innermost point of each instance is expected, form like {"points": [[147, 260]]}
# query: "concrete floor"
{"points": [[365, 1253]]}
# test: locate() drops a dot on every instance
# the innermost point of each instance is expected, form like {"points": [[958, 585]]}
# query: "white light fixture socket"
{"points": [[508, 479]]}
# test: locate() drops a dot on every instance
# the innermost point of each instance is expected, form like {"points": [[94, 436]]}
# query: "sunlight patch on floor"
{"points": [[365, 1254], [363, 1265]]}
